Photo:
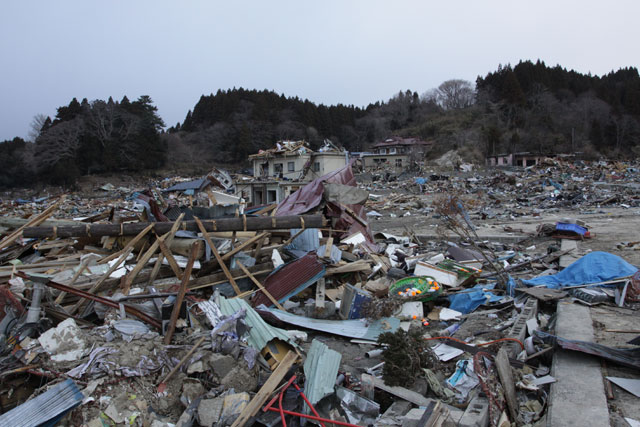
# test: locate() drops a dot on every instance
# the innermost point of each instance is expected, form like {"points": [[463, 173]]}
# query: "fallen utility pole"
{"points": [[242, 223]]}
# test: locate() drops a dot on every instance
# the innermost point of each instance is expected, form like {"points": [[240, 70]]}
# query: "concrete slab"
{"points": [[578, 397], [568, 259]]}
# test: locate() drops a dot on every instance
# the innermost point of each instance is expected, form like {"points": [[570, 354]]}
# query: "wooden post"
{"points": [[181, 292], [217, 255], [506, 378]]}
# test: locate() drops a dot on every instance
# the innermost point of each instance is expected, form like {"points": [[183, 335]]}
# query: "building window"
{"points": [[277, 169], [392, 151], [291, 166], [316, 166], [272, 196], [398, 163]]}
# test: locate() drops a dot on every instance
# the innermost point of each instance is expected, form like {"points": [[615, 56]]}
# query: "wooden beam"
{"points": [[131, 244], [172, 262], [242, 223], [81, 268], [180, 297], [96, 286], [265, 391], [32, 223], [259, 285], [217, 255], [162, 254], [506, 378]]}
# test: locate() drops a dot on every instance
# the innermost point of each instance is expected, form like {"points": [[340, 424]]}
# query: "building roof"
{"points": [[396, 141]]}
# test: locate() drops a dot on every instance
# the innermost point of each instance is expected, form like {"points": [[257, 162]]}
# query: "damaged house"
{"points": [[395, 153], [280, 171]]}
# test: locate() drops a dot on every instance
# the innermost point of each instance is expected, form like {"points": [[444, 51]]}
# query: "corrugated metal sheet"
{"points": [[320, 371], [310, 196], [260, 333], [290, 279], [346, 328], [307, 241], [46, 408]]}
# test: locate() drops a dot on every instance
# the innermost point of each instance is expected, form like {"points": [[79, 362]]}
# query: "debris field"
{"points": [[447, 296]]}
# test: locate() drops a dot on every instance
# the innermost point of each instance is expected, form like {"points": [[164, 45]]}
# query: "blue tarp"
{"points": [[595, 267], [467, 301]]}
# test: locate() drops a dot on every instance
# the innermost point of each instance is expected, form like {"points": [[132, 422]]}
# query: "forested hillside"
{"points": [[527, 107]]}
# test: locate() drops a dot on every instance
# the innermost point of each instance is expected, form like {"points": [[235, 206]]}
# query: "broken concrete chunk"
{"points": [[240, 379], [209, 411], [65, 342]]}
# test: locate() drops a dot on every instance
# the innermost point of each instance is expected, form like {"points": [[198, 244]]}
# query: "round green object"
{"points": [[419, 282]]}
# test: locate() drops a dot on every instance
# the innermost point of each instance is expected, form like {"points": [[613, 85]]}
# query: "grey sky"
{"points": [[350, 52]]}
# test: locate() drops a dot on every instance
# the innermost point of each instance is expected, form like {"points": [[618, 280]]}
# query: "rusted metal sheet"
{"points": [[290, 279]]}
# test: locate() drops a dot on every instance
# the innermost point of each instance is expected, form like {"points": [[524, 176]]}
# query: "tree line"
{"points": [[527, 107], [85, 138]]}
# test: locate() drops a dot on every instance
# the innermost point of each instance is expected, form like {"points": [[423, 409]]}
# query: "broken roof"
{"points": [[396, 140]]}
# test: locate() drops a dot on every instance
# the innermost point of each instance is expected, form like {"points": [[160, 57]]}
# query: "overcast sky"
{"points": [[350, 52]]}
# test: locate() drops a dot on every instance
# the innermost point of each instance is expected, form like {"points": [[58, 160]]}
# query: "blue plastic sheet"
{"points": [[467, 301], [595, 267], [421, 181]]}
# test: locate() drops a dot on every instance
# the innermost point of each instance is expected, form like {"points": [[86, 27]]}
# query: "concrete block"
{"points": [[476, 414], [519, 329]]}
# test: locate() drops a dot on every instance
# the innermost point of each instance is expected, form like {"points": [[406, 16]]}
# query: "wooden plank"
{"points": [[259, 285], [328, 245], [81, 268], [217, 255], [31, 223], [256, 251], [184, 359], [506, 378], [131, 244], [172, 262], [355, 216], [162, 254], [265, 391], [96, 286], [266, 209], [181, 292], [401, 392]]}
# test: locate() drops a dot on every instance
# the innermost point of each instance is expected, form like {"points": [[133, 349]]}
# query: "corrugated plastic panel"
{"points": [[260, 333], [320, 371]]}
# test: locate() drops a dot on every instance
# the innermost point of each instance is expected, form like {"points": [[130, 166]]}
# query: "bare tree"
{"points": [[35, 127], [455, 94], [60, 142]]}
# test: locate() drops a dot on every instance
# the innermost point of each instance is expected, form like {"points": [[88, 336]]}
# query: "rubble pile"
{"points": [[180, 305], [501, 193]]}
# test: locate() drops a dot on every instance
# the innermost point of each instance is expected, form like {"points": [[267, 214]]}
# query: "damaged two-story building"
{"points": [[279, 171], [395, 154]]}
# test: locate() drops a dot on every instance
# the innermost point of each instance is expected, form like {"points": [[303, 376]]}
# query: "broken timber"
{"points": [[242, 223]]}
